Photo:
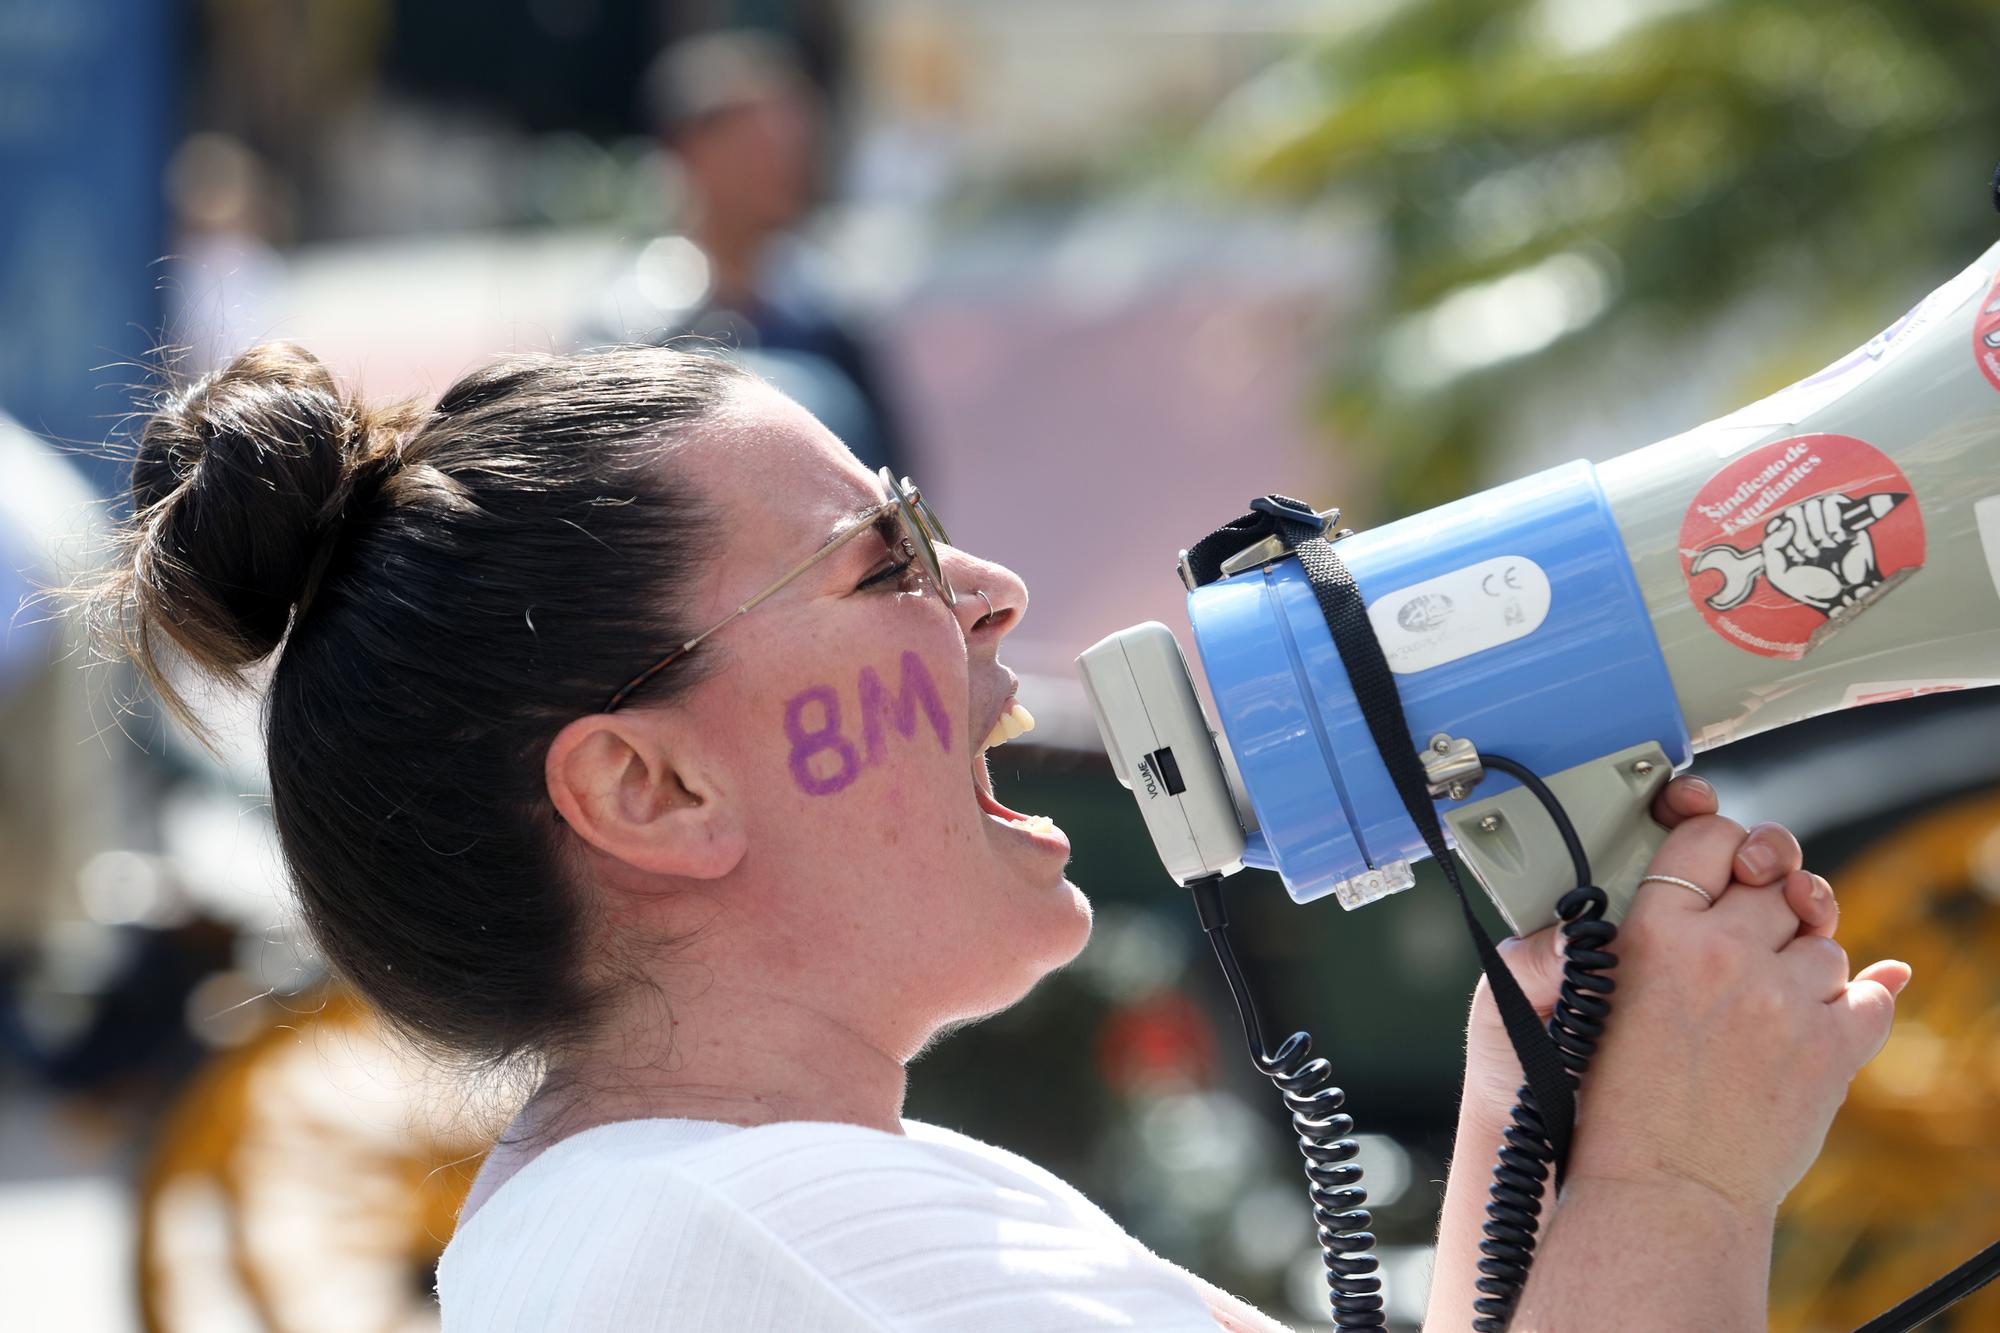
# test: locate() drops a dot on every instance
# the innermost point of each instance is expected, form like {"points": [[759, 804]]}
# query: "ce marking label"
{"points": [[1454, 620]]}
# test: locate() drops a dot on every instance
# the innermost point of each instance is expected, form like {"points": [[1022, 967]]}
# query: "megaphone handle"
{"points": [[1506, 839], [1644, 837]]}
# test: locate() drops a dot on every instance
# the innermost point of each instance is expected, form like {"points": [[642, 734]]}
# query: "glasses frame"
{"points": [[922, 535]]}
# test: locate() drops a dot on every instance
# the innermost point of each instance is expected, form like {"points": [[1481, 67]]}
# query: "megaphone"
{"points": [[1832, 545], [1518, 673]]}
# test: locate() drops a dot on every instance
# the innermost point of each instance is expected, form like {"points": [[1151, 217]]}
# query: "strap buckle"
{"points": [[1279, 512]]}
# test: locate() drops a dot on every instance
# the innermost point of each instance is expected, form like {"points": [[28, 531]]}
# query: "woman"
{"points": [[623, 723]]}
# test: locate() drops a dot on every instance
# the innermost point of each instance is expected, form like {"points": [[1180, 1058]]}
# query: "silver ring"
{"points": [[984, 598], [1687, 884]]}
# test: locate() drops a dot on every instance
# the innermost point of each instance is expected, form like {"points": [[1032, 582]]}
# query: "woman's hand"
{"points": [[1767, 856], [1735, 1032]]}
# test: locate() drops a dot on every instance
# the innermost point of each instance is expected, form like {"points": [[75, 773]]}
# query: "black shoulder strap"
{"points": [[1300, 530]]}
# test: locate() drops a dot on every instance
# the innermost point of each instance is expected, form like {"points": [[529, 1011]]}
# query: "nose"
{"points": [[993, 616]]}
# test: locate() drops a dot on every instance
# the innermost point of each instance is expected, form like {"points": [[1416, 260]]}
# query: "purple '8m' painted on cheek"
{"points": [[916, 691]]}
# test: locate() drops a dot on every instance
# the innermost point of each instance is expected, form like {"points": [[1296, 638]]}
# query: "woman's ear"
{"points": [[636, 790]]}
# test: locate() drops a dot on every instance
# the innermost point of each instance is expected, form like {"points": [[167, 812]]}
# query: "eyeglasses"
{"points": [[922, 535]]}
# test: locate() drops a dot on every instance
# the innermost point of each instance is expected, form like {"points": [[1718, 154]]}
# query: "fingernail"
{"points": [[1904, 982], [1822, 893], [1758, 860], [1702, 785]]}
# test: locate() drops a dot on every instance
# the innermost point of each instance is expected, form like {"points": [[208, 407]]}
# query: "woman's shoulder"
{"points": [[892, 1231], [632, 1225], [997, 1162], [773, 1170], [788, 1163], [769, 1173]]}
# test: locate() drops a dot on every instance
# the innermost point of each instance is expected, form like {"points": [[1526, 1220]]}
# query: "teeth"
{"points": [[1037, 824], [1015, 722]]}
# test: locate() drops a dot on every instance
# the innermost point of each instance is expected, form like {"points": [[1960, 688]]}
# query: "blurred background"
{"points": [[1095, 272]]}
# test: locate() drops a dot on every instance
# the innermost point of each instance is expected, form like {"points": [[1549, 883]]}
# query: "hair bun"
{"points": [[238, 488]]}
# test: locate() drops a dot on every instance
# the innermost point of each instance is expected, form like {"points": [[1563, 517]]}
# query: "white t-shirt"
{"points": [[699, 1227]]}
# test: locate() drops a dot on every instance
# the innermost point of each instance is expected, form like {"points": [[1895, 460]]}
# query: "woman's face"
{"points": [[847, 720]]}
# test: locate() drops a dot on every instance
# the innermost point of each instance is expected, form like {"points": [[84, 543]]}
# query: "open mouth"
{"points": [[1013, 723]]}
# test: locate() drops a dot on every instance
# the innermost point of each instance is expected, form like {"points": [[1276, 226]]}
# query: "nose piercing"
{"points": [[989, 603]]}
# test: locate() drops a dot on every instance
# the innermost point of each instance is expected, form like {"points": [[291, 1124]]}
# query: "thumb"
{"points": [[1537, 961], [1868, 1006]]}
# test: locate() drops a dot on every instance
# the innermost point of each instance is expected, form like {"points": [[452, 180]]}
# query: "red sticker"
{"points": [[1986, 334], [1787, 543]]}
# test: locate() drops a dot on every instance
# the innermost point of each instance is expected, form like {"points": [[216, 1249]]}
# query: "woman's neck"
{"points": [[738, 1058], [732, 1055]]}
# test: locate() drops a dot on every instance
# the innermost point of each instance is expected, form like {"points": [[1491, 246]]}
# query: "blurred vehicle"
{"points": [[1908, 1182], [306, 1181]]}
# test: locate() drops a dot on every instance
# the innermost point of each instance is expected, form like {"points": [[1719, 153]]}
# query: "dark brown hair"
{"points": [[445, 589]]}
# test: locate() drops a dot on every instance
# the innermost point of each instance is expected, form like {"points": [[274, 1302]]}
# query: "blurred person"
{"points": [[746, 127], [225, 270], [626, 729], [61, 793]]}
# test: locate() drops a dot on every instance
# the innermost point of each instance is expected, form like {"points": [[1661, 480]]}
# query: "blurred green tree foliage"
{"points": [[1557, 179]]}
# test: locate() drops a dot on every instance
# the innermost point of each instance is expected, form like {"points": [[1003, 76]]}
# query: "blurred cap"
{"points": [[702, 77]]}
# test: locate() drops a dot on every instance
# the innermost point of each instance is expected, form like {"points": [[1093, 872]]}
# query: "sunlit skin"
{"points": [[798, 947]]}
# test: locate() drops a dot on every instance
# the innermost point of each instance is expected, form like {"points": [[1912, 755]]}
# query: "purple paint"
{"points": [[879, 711], [820, 740], [917, 689]]}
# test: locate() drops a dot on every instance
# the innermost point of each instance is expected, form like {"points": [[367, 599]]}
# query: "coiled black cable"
{"points": [[1514, 1201], [1306, 1084], [1514, 1204]]}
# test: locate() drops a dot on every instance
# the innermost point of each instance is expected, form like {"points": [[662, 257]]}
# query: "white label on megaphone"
{"points": [[1461, 613]]}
